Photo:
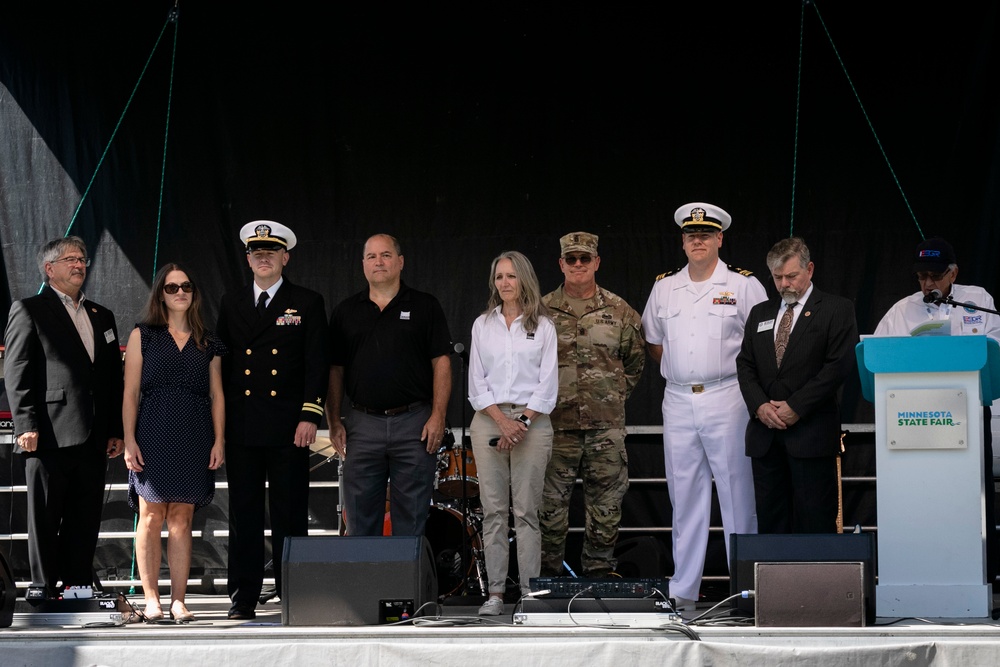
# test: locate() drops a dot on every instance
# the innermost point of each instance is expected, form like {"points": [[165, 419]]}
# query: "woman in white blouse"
{"points": [[513, 381]]}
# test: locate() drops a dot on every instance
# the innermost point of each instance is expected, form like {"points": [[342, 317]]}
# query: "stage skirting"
{"points": [[910, 645]]}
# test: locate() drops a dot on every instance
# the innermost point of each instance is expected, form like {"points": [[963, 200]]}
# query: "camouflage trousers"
{"points": [[599, 458]]}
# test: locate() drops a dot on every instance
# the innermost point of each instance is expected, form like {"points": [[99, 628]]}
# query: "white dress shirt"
{"points": [[271, 291], [796, 312], [78, 313], [511, 365]]}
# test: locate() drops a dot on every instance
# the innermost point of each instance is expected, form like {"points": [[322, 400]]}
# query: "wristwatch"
{"points": [[524, 420]]}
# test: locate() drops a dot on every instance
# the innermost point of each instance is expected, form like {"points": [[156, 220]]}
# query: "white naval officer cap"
{"points": [[701, 217], [267, 235]]}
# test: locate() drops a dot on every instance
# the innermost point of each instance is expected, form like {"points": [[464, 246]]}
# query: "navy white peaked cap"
{"points": [[701, 217], [267, 235]]}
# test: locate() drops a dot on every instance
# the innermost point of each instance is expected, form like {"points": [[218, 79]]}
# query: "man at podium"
{"points": [[929, 312], [936, 269]]}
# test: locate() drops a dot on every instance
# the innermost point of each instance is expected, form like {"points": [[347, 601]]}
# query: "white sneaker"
{"points": [[492, 607]]}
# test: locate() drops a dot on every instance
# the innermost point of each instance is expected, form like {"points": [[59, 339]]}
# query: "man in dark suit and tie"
{"points": [[64, 382], [797, 351], [275, 380]]}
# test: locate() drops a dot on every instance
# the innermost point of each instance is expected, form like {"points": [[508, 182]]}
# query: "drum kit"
{"points": [[454, 522]]}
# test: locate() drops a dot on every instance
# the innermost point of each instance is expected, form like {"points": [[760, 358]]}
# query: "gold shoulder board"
{"points": [[742, 272]]}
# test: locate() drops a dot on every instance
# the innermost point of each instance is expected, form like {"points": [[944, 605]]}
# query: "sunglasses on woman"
{"points": [[171, 288]]}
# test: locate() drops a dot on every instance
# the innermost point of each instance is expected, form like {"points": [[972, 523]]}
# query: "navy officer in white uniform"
{"points": [[694, 323]]}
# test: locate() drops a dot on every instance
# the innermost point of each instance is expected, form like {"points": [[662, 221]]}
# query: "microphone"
{"points": [[933, 297], [459, 349]]}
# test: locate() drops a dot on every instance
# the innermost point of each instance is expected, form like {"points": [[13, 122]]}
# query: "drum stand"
{"points": [[469, 520], [320, 448]]}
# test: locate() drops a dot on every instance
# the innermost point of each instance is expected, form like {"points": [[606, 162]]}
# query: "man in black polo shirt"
{"points": [[389, 349]]}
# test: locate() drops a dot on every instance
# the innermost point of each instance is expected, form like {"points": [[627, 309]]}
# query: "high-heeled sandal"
{"points": [[182, 617]]}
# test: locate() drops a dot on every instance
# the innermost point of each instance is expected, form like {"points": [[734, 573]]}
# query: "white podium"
{"points": [[928, 394]]}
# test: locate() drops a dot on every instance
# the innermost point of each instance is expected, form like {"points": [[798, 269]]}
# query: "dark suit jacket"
{"points": [[52, 385], [819, 357], [276, 375]]}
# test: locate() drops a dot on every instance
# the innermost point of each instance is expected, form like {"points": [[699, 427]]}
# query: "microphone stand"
{"points": [[466, 556], [959, 304]]}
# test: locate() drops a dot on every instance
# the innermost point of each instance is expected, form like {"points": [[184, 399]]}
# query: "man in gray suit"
{"points": [[64, 382]]}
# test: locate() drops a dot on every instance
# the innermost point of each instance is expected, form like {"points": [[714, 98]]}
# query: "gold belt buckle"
{"points": [[697, 388]]}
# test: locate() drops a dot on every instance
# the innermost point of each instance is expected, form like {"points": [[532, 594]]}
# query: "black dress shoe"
{"points": [[241, 612], [267, 594]]}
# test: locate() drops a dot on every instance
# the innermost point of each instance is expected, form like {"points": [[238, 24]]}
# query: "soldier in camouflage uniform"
{"points": [[601, 355]]}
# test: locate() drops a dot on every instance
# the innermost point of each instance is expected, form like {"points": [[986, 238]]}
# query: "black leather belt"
{"points": [[391, 411]]}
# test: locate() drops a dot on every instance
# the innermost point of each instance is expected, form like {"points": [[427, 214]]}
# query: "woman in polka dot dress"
{"points": [[174, 418]]}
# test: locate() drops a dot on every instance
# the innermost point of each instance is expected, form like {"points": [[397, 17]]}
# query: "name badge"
{"points": [[765, 326], [109, 335], [404, 315]]}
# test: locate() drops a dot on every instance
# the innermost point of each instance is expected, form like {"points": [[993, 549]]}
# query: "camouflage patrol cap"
{"points": [[579, 242]]}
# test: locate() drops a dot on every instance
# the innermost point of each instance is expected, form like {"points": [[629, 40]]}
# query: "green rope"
{"points": [[171, 18], [114, 133], [867, 119], [798, 97], [166, 134]]}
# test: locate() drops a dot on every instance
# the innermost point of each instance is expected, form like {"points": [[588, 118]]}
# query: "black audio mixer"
{"points": [[567, 587]]}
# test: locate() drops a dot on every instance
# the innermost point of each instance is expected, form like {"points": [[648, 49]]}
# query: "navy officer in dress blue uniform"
{"points": [[275, 385]]}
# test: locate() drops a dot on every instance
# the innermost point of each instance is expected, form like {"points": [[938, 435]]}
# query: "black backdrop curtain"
{"points": [[466, 130]]}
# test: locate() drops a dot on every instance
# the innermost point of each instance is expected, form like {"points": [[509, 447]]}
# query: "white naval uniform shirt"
{"points": [[912, 311], [700, 325]]}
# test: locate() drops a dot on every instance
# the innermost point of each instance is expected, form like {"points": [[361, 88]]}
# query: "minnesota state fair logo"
{"points": [[926, 418], [725, 299]]}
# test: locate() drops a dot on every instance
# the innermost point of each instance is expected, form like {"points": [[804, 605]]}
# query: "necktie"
{"points": [[262, 304], [784, 328]]}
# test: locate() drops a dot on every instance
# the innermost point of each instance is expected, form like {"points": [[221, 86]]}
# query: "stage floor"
{"points": [[460, 637]]}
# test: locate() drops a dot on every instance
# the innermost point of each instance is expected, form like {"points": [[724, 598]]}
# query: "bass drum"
{"points": [[445, 530]]}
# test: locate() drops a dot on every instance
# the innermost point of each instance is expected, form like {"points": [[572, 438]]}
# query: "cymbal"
{"points": [[323, 446]]}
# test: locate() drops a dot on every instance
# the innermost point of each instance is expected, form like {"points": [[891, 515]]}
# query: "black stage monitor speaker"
{"points": [[355, 580], [8, 593], [745, 551], [809, 595]]}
